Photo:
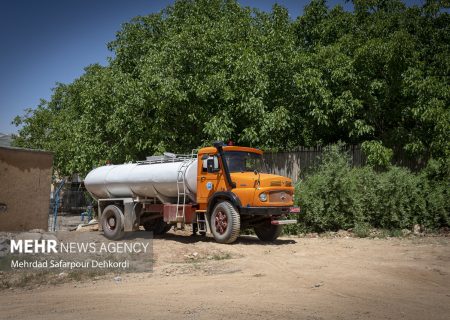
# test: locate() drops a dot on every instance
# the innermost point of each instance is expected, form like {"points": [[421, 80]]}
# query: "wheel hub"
{"points": [[221, 222], [112, 223]]}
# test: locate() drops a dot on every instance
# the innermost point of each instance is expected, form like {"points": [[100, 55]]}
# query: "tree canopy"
{"points": [[205, 70]]}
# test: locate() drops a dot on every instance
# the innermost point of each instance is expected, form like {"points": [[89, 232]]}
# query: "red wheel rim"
{"points": [[221, 222]]}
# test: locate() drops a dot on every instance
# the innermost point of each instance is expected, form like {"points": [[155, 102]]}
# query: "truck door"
{"points": [[209, 177]]}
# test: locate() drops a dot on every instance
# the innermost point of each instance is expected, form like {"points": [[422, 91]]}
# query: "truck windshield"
{"points": [[241, 161]]}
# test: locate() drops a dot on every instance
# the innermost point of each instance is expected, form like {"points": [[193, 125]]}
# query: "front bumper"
{"points": [[268, 211]]}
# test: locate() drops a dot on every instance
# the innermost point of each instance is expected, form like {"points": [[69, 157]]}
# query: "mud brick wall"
{"points": [[25, 181]]}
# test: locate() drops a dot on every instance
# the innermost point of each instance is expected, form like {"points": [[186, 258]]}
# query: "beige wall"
{"points": [[25, 178]]}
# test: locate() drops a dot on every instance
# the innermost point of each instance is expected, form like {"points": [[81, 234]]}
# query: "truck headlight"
{"points": [[263, 197]]}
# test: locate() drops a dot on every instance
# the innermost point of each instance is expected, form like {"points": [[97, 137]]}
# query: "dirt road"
{"points": [[295, 278]]}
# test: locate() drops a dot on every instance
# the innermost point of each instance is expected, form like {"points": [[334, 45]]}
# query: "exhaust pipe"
{"points": [[219, 146]]}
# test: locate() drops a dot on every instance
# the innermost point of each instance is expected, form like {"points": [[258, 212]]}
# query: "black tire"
{"points": [[158, 226], [113, 222], [267, 231], [225, 223]]}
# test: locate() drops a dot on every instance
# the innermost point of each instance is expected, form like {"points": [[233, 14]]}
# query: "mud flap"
{"points": [[132, 218]]}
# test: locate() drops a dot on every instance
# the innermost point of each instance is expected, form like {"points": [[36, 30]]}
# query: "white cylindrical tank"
{"points": [[140, 179]]}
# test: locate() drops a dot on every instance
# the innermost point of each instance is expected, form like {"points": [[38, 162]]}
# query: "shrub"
{"points": [[336, 196], [325, 195], [362, 230], [400, 199]]}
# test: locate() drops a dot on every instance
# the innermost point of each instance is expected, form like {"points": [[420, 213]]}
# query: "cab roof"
{"points": [[213, 150]]}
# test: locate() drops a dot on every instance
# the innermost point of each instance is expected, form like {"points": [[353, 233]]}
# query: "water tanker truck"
{"points": [[220, 190]]}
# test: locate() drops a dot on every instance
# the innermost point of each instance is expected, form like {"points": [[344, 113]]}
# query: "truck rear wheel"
{"points": [[267, 231], [225, 222], [113, 222], [158, 226]]}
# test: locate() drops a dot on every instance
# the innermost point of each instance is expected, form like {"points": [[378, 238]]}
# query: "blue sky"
{"points": [[49, 41]]}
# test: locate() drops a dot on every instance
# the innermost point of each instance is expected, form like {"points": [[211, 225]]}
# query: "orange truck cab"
{"points": [[235, 193]]}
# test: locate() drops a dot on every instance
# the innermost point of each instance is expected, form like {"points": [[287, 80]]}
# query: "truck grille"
{"points": [[280, 196]]}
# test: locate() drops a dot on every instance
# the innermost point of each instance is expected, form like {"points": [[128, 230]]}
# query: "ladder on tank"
{"points": [[182, 190]]}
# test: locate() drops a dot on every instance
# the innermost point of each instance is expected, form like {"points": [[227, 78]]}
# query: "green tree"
{"points": [[203, 70]]}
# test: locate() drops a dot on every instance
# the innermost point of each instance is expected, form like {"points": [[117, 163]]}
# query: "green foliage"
{"points": [[438, 170], [362, 230], [325, 196], [436, 189], [337, 196], [377, 154], [206, 70]]}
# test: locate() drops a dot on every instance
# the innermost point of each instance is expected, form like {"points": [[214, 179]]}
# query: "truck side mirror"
{"points": [[210, 165]]}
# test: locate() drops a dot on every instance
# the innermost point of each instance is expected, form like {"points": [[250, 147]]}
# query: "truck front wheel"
{"points": [[225, 222], [113, 222], [267, 231]]}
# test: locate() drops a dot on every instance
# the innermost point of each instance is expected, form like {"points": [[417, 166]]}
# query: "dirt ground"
{"points": [[294, 278]]}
